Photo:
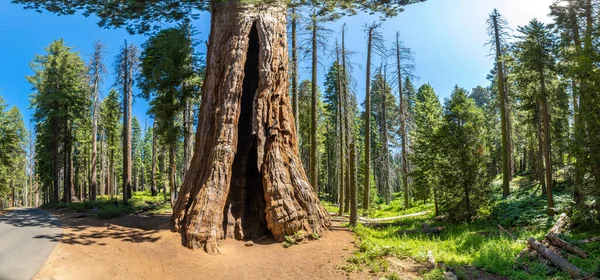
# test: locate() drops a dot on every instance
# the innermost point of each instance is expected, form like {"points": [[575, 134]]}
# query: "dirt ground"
{"points": [[137, 247]]}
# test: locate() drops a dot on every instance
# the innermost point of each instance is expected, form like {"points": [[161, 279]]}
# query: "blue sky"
{"points": [[447, 37]]}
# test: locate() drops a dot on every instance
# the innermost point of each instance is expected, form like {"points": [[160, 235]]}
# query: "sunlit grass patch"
{"points": [[105, 207]]}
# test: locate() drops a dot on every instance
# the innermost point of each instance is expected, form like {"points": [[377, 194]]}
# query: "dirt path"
{"points": [[145, 248]]}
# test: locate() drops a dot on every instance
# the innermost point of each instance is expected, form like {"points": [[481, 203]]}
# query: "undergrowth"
{"points": [[105, 207], [479, 243]]}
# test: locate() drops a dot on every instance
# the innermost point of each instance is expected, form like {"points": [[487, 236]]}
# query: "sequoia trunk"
{"points": [[246, 138]]}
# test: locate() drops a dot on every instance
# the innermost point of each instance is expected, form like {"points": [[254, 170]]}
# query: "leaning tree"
{"points": [[246, 178]]}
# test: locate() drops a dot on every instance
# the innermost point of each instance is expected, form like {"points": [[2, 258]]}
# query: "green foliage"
{"points": [[385, 114], [425, 156], [479, 243], [60, 100], [464, 184], [143, 17], [168, 78], [304, 105], [13, 139], [106, 207]]}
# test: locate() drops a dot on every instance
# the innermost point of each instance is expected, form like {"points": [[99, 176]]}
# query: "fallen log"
{"points": [[591, 239], [376, 222], [555, 259], [567, 246], [425, 228], [373, 221], [502, 229], [560, 225]]}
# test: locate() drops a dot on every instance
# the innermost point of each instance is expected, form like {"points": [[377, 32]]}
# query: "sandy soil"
{"points": [[138, 247]]}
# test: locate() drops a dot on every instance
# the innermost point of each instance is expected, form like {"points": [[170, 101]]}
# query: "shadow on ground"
{"points": [[81, 230], [29, 217]]}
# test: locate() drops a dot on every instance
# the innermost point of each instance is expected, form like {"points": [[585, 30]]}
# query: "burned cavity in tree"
{"points": [[245, 207]]}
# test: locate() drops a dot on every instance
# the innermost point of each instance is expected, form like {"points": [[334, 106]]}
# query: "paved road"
{"points": [[24, 245]]}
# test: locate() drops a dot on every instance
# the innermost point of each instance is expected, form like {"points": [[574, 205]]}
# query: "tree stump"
{"points": [[246, 154]]}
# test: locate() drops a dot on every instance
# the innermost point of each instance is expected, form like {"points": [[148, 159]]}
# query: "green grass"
{"points": [[329, 207], [104, 207], [479, 243]]}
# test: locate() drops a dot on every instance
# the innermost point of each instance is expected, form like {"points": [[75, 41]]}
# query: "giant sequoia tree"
{"points": [[245, 176]]}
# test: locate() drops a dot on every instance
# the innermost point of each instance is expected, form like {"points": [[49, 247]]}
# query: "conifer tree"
{"points": [[426, 145], [465, 187]]}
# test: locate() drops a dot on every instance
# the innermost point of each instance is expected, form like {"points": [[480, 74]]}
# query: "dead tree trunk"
{"points": [[556, 259], [367, 168], [403, 132], [246, 138], [341, 113]]}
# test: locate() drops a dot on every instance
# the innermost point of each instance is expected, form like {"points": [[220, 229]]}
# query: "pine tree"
{"points": [[60, 97], [109, 123], [425, 145], [536, 66], [465, 187]]}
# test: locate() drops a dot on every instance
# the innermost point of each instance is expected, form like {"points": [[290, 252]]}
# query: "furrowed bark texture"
{"points": [[246, 165]]}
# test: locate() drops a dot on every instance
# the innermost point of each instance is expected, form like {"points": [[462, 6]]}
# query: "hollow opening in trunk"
{"points": [[244, 214]]}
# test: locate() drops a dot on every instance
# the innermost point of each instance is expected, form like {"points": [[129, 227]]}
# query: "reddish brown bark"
{"points": [[246, 137]]}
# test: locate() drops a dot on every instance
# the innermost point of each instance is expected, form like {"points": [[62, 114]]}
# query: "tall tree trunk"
{"points": [[547, 144], [255, 33], [55, 159], [172, 168], [403, 132], [353, 192], [102, 167], [153, 188], [367, 168], [187, 135], [110, 178], [313, 109], [70, 160], [13, 194], [539, 166], [67, 182], [93, 179], [163, 168], [506, 167], [384, 139], [126, 129], [37, 194], [341, 117], [347, 121]]}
